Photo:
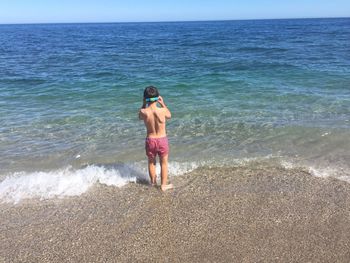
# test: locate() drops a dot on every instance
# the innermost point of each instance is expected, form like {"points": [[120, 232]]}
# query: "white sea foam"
{"points": [[287, 164], [69, 182], [337, 173], [177, 168], [319, 171], [59, 183]]}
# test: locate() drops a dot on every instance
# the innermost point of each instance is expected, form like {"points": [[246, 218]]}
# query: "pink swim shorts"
{"points": [[156, 146]]}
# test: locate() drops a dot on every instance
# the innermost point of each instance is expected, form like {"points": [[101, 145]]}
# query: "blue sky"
{"points": [[57, 11]]}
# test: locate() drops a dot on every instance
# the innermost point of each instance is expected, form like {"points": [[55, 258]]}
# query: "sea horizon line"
{"points": [[172, 21]]}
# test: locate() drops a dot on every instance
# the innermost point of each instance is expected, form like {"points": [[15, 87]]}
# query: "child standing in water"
{"points": [[155, 118]]}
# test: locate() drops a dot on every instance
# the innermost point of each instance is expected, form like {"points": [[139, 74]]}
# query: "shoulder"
{"points": [[162, 110], [143, 113], [145, 110]]}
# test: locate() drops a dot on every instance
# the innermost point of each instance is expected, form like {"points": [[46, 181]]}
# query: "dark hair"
{"points": [[150, 92]]}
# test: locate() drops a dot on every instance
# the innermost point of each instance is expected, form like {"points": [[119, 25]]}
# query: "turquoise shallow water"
{"points": [[69, 93]]}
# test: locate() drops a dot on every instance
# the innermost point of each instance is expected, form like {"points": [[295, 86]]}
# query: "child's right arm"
{"points": [[141, 114]]}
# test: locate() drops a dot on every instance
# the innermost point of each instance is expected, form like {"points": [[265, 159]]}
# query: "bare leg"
{"points": [[152, 170], [164, 173]]}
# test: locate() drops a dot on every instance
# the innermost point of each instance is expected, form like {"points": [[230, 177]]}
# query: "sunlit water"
{"points": [[238, 90]]}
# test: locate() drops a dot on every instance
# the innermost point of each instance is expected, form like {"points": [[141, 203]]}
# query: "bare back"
{"points": [[154, 119]]}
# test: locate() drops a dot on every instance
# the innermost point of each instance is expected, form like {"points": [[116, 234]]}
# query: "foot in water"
{"points": [[166, 187]]}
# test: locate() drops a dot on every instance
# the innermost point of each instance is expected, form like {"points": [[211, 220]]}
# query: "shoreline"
{"points": [[240, 214]]}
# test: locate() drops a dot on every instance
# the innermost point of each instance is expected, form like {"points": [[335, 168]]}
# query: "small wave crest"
{"points": [[74, 182], [318, 170], [59, 183], [69, 182]]}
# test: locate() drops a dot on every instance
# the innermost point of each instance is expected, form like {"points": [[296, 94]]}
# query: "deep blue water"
{"points": [[69, 93]]}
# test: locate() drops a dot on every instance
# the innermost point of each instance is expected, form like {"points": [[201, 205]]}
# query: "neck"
{"points": [[152, 104]]}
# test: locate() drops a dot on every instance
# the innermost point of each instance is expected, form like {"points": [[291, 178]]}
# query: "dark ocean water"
{"points": [[238, 90]]}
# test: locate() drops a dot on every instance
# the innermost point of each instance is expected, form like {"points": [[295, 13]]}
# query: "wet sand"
{"points": [[214, 215]]}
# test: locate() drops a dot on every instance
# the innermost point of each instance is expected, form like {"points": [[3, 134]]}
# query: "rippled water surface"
{"points": [[69, 93]]}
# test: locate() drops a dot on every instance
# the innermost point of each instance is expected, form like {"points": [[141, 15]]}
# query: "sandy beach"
{"points": [[242, 214]]}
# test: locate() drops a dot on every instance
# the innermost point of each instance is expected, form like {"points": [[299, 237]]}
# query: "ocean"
{"points": [[269, 91]]}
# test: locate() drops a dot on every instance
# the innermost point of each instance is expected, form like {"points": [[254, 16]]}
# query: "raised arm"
{"points": [[167, 111], [141, 113]]}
